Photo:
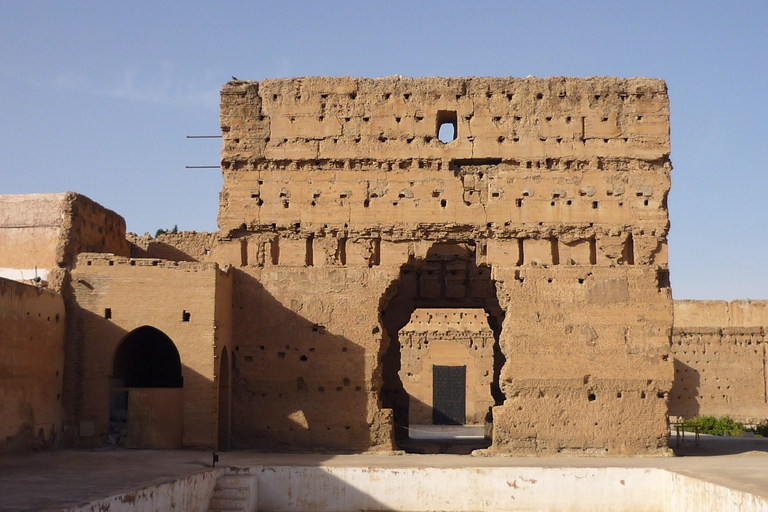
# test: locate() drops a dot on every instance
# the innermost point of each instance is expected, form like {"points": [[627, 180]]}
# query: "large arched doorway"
{"points": [[224, 401], [449, 277], [146, 391]]}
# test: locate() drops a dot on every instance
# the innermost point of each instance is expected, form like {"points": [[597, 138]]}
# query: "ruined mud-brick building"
{"points": [[394, 252]]}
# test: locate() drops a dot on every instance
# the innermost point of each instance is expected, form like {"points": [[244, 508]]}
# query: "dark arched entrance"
{"points": [[449, 277], [224, 400], [147, 358], [146, 391]]}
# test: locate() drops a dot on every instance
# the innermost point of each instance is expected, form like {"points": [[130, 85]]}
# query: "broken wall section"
{"points": [[32, 367], [181, 246], [46, 231], [720, 359]]}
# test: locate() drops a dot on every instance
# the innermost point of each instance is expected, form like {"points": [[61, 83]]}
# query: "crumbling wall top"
{"points": [[393, 117], [443, 320]]}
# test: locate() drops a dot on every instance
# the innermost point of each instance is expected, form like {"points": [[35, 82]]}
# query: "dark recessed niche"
{"points": [[185, 316]]}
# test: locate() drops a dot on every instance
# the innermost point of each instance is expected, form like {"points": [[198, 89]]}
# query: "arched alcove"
{"points": [[146, 407], [147, 358]]}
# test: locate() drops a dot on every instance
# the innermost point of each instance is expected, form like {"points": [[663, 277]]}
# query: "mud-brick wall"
{"points": [[182, 246], [306, 358], [558, 185], [358, 153], [31, 366], [111, 297], [29, 230], [588, 365], [720, 359], [48, 230]]}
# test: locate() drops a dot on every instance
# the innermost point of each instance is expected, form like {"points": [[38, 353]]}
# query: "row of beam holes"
{"points": [[436, 194], [447, 130], [154, 263], [432, 164], [185, 315], [735, 342], [489, 94], [40, 315], [446, 134], [591, 396]]}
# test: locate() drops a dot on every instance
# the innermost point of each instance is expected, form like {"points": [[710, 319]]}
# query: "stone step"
{"points": [[238, 493], [228, 481]]}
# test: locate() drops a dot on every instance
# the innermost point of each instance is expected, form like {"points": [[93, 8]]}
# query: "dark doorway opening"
{"points": [[449, 395], [449, 277], [146, 358]]}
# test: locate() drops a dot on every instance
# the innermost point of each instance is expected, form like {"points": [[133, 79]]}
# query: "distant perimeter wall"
{"points": [[31, 366], [720, 359]]}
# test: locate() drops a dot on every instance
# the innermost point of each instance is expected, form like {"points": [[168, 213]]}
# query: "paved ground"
{"points": [[56, 480]]}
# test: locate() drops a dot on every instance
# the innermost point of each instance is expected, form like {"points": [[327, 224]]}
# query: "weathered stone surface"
{"points": [[31, 368], [46, 231], [720, 359], [547, 211]]}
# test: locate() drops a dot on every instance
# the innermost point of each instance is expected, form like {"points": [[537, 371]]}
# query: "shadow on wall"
{"points": [[684, 395], [160, 250], [134, 389], [295, 383]]}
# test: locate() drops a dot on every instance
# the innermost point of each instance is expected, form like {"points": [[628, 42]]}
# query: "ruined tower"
{"points": [[349, 203]]}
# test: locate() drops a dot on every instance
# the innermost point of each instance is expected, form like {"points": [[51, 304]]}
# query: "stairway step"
{"points": [[228, 503], [229, 481], [242, 493]]}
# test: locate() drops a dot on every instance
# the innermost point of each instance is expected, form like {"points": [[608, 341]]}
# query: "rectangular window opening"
{"points": [[310, 254], [447, 126]]}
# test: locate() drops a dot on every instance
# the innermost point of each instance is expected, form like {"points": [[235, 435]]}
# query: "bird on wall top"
{"points": [[234, 77]]}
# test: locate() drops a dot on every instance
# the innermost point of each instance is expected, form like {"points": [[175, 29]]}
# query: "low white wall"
{"points": [[285, 489], [190, 494], [688, 494], [294, 489]]}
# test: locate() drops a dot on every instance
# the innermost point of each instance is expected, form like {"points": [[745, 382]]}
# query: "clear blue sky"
{"points": [[98, 97]]}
